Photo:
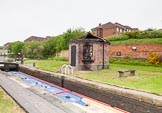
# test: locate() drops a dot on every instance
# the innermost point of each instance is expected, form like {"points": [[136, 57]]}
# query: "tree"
{"points": [[61, 42], [15, 48], [50, 47], [34, 49], [47, 48]]}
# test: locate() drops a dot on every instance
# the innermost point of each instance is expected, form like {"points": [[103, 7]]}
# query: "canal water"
{"points": [[6, 59]]}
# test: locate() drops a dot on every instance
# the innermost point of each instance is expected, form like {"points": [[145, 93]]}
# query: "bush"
{"points": [[154, 58], [129, 61], [58, 58], [133, 35], [119, 38], [137, 35]]}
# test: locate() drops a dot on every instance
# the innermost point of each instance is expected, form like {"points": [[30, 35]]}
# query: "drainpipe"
{"points": [[103, 60]]}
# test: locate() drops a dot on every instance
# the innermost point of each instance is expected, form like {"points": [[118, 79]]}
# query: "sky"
{"points": [[20, 19]]}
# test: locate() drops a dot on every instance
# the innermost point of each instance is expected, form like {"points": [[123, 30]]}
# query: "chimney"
{"points": [[100, 30], [99, 25]]}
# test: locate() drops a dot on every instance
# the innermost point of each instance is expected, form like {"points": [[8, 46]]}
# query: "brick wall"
{"points": [[142, 50], [109, 32], [106, 32]]}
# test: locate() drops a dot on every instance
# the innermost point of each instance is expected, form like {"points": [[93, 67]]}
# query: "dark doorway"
{"points": [[73, 55]]}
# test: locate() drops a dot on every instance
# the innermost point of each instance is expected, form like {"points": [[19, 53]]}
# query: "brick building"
{"points": [[34, 38], [89, 53], [110, 29]]}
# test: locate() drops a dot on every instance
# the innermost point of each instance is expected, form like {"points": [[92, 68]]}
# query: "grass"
{"points": [[7, 105], [49, 65], [148, 78], [138, 41]]}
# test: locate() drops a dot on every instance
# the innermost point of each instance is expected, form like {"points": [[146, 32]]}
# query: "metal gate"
{"points": [[73, 55]]}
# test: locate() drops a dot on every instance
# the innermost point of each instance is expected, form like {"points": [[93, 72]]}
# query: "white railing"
{"points": [[67, 69]]}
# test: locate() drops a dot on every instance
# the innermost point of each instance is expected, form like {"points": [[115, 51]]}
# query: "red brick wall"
{"points": [[106, 32], [142, 51], [109, 32]]}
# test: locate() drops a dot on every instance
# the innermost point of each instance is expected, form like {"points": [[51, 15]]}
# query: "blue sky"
{"points": [[21, 19]]}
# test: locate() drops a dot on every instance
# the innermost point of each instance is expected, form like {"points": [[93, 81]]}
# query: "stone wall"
{"points": [[64, 53], [44, 75], [126, 99]]}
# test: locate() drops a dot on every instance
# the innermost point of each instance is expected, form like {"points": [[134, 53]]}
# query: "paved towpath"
{"points": [[32, 102]]}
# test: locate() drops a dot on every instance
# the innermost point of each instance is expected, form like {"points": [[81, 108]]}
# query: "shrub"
{"points": [[133, 35], [129, 61], [58, 58], [119, 38], [154, 58], [137, 35]]}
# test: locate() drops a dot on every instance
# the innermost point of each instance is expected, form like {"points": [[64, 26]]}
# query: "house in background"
{"points": [[5, 46], [34, 38], [3, 50], [110, 29]]}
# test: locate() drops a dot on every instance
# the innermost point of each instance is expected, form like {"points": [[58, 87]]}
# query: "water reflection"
{"points": [[6, 59]]}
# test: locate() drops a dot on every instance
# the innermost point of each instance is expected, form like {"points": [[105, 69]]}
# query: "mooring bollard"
{"points": [[34, 64], [62, 80]]}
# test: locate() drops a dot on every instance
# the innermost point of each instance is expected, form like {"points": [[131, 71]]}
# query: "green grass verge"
{"points": [[148, 78], [139, 41], [49, 65], [7, 105]]}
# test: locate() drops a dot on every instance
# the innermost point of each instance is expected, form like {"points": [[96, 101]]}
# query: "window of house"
{"points": [[117, 29], [120, 30], [87, 52]]}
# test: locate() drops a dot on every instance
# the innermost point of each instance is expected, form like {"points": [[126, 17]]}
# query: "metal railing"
{"points": [[67, 69]]}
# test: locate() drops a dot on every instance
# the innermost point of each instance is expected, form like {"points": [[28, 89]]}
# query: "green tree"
{"points": [[50, 47], [70, 35], [61, 42], [47, 48], [15, 48], [34, 49]]}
